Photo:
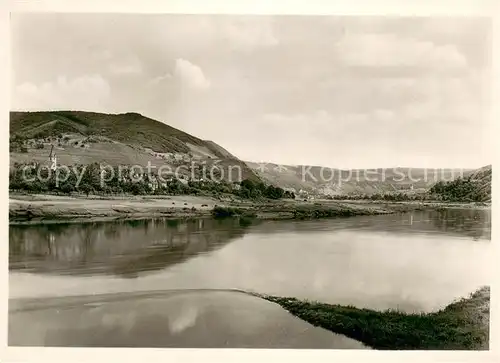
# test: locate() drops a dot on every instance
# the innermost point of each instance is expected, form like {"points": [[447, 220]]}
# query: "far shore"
{"points": [[35, 208]]}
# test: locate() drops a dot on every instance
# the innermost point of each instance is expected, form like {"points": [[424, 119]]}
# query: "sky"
{"points": [[347, 92]]}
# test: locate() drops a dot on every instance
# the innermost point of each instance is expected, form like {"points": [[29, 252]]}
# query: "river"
{"points": [[413, 262]]}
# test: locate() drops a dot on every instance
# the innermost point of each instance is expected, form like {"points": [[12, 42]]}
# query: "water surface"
{"points": [[419, 261], [179, 319]]}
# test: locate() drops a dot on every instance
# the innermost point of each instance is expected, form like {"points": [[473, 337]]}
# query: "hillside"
{"points": [[322, 180], [127, 139], [132, 139], [475, 186], [483, 176]]}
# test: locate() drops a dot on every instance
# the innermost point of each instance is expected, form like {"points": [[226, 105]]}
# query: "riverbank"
{"points": [[40, 207], [37, 207], [462, 325]]}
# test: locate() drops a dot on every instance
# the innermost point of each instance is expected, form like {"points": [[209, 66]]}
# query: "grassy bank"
{"points": [[462, 325]]}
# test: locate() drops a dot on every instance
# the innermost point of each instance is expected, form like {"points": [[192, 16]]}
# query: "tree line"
{"points": [[390, 197], [88, 179], [255, 190]]}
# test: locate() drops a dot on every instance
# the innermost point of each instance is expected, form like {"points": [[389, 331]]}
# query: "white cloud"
{"points": [[190, 75], [245, 35], [452, 99], [242, 34], [383, 115], [386, 50], [88, 92], [453, 27], [126, 67], [440, 110], [301, 122], [159, 79]]}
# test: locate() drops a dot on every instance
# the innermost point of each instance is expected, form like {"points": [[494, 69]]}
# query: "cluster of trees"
{"points": [[17, 143], [393, 197], [91, 179], [254, 190], [464, 189], [39, 178]]}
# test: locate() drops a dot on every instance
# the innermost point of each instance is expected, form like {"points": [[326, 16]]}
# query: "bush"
{"points": [[67, 188], [224, 212], [252, 190]]}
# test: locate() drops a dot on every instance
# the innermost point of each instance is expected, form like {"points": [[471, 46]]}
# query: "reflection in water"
{"points": [[179, 320], [467, 223], [412, 262], [472, 223], [126, 248]]}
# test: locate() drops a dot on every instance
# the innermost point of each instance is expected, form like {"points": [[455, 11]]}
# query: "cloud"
{"points": [[126, 67], [372, 76], [117, 63], [306, 121], [248, 35], [420, 126], [390, 50], [159, 79], [189, 33], [89, 92], [447, 99], [190, 75]]}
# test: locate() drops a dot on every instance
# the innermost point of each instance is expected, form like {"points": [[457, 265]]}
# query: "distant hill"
{"points": [[128, 138], [323, 180]]}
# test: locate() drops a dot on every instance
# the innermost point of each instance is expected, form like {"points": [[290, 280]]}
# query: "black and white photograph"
{"points": [[257, 181]]}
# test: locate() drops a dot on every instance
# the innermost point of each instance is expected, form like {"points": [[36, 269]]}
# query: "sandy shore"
{"points": [[40, 207], [49, 207]]}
